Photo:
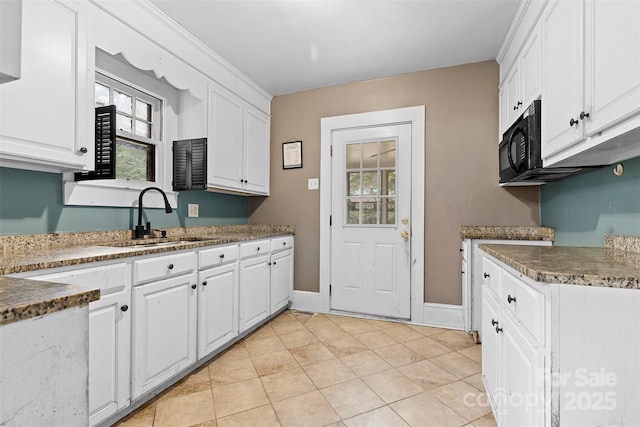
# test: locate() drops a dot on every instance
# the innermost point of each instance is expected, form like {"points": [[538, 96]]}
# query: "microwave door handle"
{"points": [[509, 157]]}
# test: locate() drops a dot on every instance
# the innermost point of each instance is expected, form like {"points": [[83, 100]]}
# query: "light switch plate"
{"points": [[313, 184], [192, 210]]}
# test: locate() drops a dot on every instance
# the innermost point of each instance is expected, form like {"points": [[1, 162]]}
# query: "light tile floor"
{"points": [[329, 370]]}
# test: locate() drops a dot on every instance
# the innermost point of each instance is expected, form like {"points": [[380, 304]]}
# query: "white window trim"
{"points": [[120, 192]]}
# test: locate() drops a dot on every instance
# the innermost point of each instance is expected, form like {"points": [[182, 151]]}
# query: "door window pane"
{"points": [[353, 156], [353, 212], [353, 179], [370, 182]]}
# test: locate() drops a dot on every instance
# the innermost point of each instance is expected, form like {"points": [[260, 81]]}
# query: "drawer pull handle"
{"points": [[193, 286], [284, 243], [203, 283], [494, 322], [486, 275], [124, 307], [498, 329], [511, 299], [221, 256], [170, 266], [258, 248]]}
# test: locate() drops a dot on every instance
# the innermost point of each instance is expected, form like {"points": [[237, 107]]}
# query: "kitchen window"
{"points": [[138, 120], [145, 114]]}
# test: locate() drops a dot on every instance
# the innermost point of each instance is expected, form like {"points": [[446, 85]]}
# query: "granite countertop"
{"points": [[490, 232], [22, 299], [601, 266]]}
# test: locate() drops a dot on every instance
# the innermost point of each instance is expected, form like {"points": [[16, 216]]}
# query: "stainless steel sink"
{"points": [[156, 242]]}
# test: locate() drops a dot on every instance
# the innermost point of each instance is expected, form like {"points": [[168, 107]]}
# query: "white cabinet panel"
{"points": [[281, 279], [217, 307], [255, 299], [256, 135], [164, 331], [46, 116], [109, 355]]}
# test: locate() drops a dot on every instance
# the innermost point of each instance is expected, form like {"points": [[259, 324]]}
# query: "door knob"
{"points": [[405, 221], [404, 234]]}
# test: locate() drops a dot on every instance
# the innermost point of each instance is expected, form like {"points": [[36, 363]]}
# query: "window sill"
{"points": [[115, 193]]}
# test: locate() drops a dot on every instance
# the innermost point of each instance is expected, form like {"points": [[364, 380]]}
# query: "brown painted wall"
{"points": [[461, 165]]}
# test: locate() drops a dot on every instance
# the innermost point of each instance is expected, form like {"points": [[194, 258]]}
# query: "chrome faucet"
{"points": [[140, 231]]}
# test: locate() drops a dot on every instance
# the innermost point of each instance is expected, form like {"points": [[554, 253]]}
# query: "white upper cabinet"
{"points": [[46, 117], [522, 85], [591, 82], [238, 144]]}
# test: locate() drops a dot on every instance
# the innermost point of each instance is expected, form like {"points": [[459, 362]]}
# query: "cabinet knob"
{"points": [[221, 256], [258, 249], [284, 243], [193, 286], [486, 275], [203, 283], [462, 271], [274, 263], [83, 150], [583, 115], [170, 267], [268, 263], [124, 307], [498, 329], [511, 299], [461, 250], [573, 122], [494, 322]]}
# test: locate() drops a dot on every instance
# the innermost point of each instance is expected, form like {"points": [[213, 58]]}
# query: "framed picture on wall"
{"points": [[292, 155]]}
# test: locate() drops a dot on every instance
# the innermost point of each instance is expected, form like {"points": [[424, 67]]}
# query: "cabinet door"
{"points": [[281, 279], [46, 115], [490, 343], [164, 331], [217, 307], [254, 291], [613, 62], [562, 76], [512, 94], [523, 375], [224, 150], [256, 163], [530, 70], [109, 352]]}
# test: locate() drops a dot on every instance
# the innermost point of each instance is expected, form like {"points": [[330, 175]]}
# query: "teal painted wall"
{"points": [[31, 203], [585, 207]]}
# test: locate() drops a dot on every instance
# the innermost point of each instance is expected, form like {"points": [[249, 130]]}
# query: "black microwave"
{"points": [[519, 152]]}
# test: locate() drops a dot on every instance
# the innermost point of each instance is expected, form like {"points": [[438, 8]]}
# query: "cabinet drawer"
{"points": [[281, 243], [491, 273], [217, 256], [163, 266], [257, 247], [525, 303]]}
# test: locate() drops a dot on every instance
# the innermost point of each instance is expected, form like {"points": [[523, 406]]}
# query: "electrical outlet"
{"points": [[312, 184], [192, 211]]}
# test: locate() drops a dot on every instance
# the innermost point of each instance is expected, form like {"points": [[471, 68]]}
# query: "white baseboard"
{"points": [[443, 316], [307, 301]]}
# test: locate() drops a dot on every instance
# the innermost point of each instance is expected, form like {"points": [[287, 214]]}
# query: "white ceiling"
{"points": [[287, 46]]}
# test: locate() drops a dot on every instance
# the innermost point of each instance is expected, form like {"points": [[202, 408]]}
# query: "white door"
{"points": [[371, 224]]}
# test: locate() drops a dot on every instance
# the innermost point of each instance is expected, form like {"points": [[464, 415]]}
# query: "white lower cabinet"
{"points": [[281, 272], [559, 354], [157, 313], [217, 307], [109, 353], [109, 332], [164, 331], [255, 302]]}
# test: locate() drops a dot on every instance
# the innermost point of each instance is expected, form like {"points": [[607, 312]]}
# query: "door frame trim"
{"points": [[415, 116]]}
